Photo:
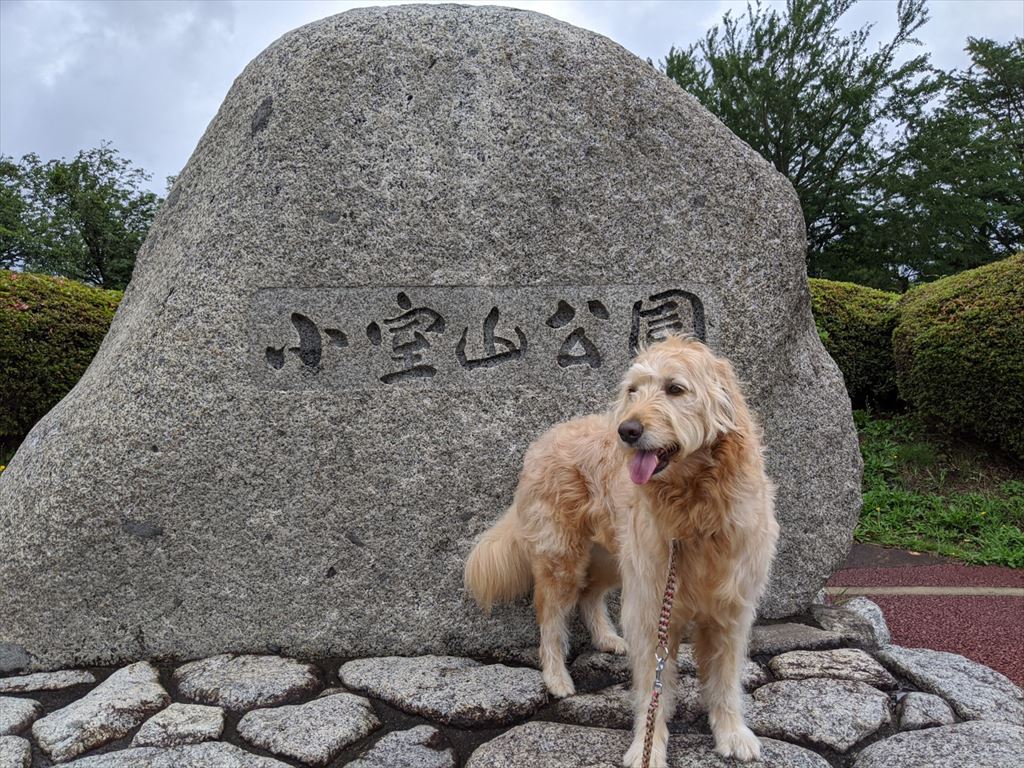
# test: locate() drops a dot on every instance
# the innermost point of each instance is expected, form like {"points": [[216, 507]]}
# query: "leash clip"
{"points": [[661, 659]]}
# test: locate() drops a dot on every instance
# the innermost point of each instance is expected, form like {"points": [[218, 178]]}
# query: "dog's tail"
{"points": [[498, 568]]}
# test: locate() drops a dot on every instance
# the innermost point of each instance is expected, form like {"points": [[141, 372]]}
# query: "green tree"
{"points": [[820, 106], [956, 201], [84, 219]]}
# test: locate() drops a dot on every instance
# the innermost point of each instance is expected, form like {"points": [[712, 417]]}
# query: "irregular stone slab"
{"points": [[209, 754], [773, 639], [242, 682], [595, 669], [17, 714], [556, 745], [13, 658], [839, 664], [46, 681], [419, 747], [612, 707], [439, 171], [859, 621], [965, 745], [975, 691], [753, 673], [448, 689], [15, 752], [923, 710], [108, 712], [528, 657], [835, 714], [313, 733], [179, 725]]}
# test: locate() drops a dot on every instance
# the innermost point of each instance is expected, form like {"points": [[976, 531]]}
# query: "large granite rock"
{"points": [[411, 239], [108, 712], [243, 682], [965, 745], [556, 745], [834, 714], [450, 690], [209, 754], [975, 692], [313, 733]]}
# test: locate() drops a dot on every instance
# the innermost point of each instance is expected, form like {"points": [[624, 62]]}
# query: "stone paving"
{"points": [[831, 695]]}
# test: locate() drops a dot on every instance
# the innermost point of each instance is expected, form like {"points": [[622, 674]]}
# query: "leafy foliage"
{"points": [[85, 219], [907, 501], [817, 104], [50, 329], [856, 325], [959, 348], [956, 199]]}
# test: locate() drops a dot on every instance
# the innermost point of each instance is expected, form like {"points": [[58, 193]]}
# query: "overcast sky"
{"points": [[149, 76]]}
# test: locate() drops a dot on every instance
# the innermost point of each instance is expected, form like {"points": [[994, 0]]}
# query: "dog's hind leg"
{"points": [[720, 649], [557, 583], [602, 575]]}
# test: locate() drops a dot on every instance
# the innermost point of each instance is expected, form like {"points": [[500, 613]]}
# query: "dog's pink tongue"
{"points": [[642, 466]]}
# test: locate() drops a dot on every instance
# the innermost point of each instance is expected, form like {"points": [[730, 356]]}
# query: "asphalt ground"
{"points": [[934, 602]]}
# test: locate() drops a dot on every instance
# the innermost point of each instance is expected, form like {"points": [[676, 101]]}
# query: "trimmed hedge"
{"points": [[50, 329], [959, 348], [856, 324]]}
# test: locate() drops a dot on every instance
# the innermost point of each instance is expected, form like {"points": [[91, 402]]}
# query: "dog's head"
{"points": [[676, 398]]}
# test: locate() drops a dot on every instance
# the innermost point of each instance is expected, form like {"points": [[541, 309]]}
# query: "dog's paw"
{"points": [[559, 684], [634, 756], [740, 743], [611, 644]]}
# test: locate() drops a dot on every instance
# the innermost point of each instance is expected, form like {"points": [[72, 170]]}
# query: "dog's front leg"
{"points": [[720, 649], [641, 605]]}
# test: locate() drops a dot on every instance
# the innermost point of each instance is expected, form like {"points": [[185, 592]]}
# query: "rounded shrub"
{"points": [[856, 324], [50, 329], [959, 348]]}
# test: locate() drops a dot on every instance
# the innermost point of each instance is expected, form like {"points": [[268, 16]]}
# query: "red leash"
{"points": [[661, 654]]}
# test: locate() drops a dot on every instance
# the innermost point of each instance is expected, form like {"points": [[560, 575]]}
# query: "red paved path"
{"points": [[988, 629]]}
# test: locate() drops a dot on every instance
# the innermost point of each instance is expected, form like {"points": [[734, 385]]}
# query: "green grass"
{"points": [[933, 494]]}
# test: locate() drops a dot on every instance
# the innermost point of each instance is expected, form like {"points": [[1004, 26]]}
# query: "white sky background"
{"points": [[149, 75]]}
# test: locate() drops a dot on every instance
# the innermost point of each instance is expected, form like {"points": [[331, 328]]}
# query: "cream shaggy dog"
{"points": [[602, 497]]}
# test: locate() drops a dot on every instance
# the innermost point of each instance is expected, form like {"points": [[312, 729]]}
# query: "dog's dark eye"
{"points": [[675, 389], [631, 390]]}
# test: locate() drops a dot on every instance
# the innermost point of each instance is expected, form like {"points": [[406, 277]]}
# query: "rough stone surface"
{"points": [[923, 710], [595, 669], [15, 752], [612, 707], [13, 657], [17, 714], [839, 664], [753, 673], [243, 682], [313, 733], [858, 620], [210, 754], [108, 712], [555, 745], [975, 692], [835, 714], [179, 725], [773, 639], [419, 747], [46, 681], [966, 745], [383, 161], [452, 690]]}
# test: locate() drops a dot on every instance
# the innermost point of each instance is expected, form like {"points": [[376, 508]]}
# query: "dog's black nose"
{"points": [[630, 431]]}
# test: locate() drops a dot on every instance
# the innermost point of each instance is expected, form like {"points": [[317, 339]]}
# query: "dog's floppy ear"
{"points": [[726, 399]]}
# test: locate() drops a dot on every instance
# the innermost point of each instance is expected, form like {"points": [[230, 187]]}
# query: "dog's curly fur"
{"points": [[588, 513]]}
